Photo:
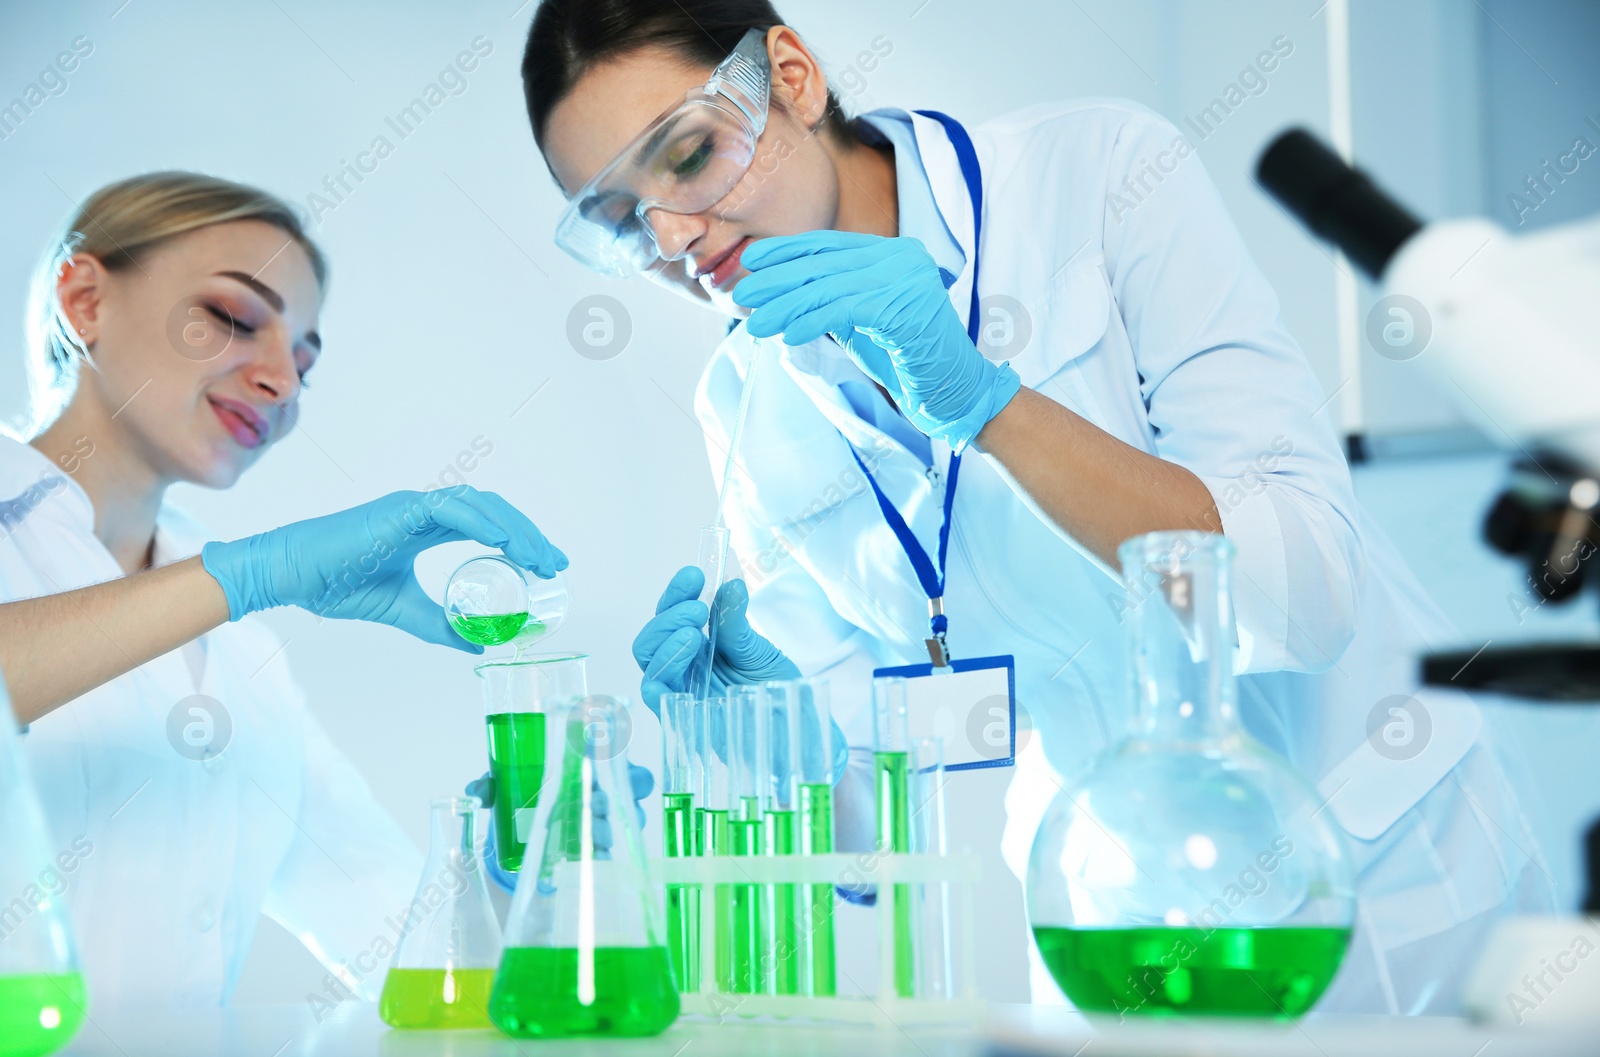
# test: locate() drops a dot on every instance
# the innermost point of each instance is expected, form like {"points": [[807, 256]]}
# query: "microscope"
{"points": [[1509, 329]]}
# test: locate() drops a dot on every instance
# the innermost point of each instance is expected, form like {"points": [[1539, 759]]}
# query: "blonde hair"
{"points": [[119, 224]]}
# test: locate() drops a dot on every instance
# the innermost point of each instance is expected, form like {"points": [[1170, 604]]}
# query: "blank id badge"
{"points": [[971, 705]]}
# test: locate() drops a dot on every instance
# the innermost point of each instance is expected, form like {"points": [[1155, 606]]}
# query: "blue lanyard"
{"points": [[931, 578]]}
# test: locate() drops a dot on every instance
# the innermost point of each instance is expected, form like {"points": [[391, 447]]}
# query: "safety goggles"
{"points": [[685, 162]]}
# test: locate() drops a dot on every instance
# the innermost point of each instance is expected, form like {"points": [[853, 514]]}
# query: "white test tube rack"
{"points": [[887, 1008]]}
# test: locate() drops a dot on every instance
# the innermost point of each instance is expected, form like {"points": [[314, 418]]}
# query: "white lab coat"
{"points": [[1149, 319], [186, 855]]}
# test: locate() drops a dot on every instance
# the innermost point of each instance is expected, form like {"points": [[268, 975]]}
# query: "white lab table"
{"points": [[354, 1029]]}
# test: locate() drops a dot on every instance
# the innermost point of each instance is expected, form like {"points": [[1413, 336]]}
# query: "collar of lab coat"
{"points": [[24, 467]]}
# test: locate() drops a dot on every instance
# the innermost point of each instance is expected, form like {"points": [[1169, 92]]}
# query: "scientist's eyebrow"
{"points": [[268, 294], [656, 138]]}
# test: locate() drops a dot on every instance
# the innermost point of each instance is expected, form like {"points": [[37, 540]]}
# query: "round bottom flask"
{"points": [[1191, 870]]}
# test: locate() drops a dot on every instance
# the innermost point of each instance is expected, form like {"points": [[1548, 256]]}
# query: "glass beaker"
{"points": [[42, 997], [584, 952], [1191, 870], [449, 945], [517, 697], [491, 601]]}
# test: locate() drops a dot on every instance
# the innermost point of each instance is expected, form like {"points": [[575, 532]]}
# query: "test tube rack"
{"points": [[884, 870]]}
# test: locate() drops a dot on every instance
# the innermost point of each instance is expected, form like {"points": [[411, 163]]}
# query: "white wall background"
{"points": [[448, 313]]}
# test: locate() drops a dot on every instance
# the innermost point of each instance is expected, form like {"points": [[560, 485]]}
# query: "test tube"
{"points": [[713, 561], [711, 828], [812, 728], [891, 761], [782, 787], [935, 967], [679, 764], [749, 758]]}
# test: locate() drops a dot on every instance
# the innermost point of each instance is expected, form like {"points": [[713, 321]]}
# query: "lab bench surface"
{"points": [[354, 1029]]}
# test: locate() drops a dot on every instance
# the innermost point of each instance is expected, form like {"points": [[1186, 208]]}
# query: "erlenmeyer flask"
{"points": [[517, 698], [1191, 870], [42, 997], [450, 942], [584, 952], [491, 601]]}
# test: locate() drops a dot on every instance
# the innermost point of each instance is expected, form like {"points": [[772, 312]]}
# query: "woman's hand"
{"points": [[882, 299], [358, 564]]}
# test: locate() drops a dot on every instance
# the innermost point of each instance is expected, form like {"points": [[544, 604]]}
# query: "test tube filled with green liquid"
{"points": [[892, 785], [813, 756], [710, 726], [780, 782], [749, 757], [517, 696], [679, 777]]}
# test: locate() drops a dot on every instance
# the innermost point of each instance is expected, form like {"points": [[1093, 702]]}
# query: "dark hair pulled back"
{"points": [[570, 36]]}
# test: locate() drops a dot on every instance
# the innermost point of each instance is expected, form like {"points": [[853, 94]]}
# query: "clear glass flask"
{"points": [[42, 996], [1190, 870], [449, 946], [680, 766], [584, 951], [518, 696], [891, 762], [492, 601]]}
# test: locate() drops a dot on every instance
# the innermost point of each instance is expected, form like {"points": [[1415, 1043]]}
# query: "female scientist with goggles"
{"points": [[1158, 390]]}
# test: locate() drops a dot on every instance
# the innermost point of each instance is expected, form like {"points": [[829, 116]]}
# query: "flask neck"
{"points": [[452, 833], [1181, 636]]}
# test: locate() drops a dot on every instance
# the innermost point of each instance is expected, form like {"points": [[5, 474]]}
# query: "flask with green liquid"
{"points": [[42, 997], [584, 948], [491, 601], [1191, 870], [450, 940]]}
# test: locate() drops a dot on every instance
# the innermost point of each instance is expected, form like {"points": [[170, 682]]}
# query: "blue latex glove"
{"points": [[357, 564], [640, 778], [883, 300], [673, 638]]}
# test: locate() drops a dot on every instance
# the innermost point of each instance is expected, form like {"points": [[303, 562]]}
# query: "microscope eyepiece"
{"points": [[1336, 202]]}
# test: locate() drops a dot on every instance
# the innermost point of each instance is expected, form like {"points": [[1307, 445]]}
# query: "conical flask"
{"points": [[584, 949], [1191, 870], [42, 998], [450, 943]]}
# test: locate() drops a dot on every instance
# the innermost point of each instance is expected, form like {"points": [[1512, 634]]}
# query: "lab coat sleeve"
{"points": [[350, 870], [1231, 397]]}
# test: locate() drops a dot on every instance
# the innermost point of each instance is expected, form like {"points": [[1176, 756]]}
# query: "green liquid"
{"points": [[892, 779], [683, 901], [436, 998], [39, 1012], [491, 630], [543, 993], [744, 907], [516, 764], [1259, 972], [714, 838], [785, 957], [818, 975]]}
